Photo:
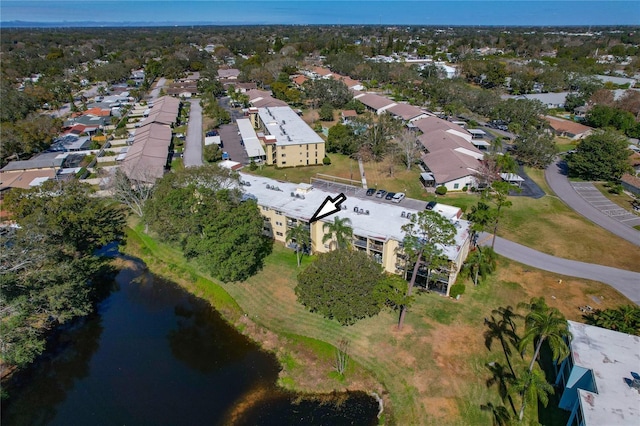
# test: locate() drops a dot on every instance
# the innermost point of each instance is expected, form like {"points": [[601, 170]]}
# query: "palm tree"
{"points": [[544, 323], [480, 263], [532, 386], [340, 232], [300, 235], [501, 416]]}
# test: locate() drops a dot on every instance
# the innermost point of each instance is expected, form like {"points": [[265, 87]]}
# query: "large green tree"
{"points": [[341, 285], [602, 155], [535, 148], [200, 210], [47, 265], [424, 240]]}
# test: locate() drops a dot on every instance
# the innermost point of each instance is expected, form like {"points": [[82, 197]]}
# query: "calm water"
{"points": [[155, 355]]}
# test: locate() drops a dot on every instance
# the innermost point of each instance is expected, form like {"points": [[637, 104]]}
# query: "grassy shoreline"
{"points": [[306, 363], [432, 372]]}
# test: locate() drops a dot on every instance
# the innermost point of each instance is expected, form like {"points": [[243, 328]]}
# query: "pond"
{"points": [[153, 354]]}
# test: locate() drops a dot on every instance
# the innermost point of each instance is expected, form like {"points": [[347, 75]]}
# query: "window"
{"points": [[266, 229], [278, 223], [279, 234], [307, 147], [284, 155], [265, 208], [456, 185], [284, 162], [278, 212]]}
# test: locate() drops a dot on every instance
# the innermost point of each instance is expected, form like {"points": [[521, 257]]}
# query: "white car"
{"points": [[398, 197]]}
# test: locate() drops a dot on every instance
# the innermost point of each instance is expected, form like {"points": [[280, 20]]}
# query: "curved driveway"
{"points": [[626, 282], [193, 142], [557, 179]]}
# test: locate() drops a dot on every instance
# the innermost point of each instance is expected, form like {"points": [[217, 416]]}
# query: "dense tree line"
{"points": [[201, 211], [48, 265]]}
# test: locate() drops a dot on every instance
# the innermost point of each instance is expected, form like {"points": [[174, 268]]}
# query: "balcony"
{"points": [[376, 247], [360, 243]]}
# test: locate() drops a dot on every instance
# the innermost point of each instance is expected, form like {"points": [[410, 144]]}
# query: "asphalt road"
{"points": [[193, 141], [557, 179], [155, 93], [626, 282]]}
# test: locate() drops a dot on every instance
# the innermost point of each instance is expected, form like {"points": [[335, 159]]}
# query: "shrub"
{"points": [[326, 161], [465, 189], [253, 166], [457, 290], [441, 190]]}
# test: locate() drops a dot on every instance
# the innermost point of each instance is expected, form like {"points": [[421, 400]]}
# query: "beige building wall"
{"points": [[299, 155], [384, 252]]}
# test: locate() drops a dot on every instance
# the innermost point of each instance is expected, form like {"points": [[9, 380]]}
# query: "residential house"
{"points": [[375, 103], [287, 140], [148, 157], [599, 381], [377, 226], [263, 99], [228, 74], [450, 159], [567, 128], [631, 183], [406, 112], [550, 100], [618, 81]]}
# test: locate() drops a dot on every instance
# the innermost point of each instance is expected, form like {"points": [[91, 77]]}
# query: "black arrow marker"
{"points": [[328, 207]]}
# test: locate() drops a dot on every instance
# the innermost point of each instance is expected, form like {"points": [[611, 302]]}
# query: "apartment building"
{"points": [[599, 381], [287, 140], [377, 225]]}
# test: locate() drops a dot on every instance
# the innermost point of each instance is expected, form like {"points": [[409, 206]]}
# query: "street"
{"points": [[193, 141]]}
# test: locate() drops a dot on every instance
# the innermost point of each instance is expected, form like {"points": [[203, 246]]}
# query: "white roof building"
{"points": [[601, 377], [287, 127]]}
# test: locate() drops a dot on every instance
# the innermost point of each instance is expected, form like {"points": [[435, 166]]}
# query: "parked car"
{"points": [[390, 195], [431, 205], [398, 197], [225, 156], [370, 192], [380, 193]]}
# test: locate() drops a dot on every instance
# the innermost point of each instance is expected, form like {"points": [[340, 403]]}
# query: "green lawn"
{"points": [[433, 372]]}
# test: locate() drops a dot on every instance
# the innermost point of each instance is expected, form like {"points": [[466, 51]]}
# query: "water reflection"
{"points": [[154, 354]]}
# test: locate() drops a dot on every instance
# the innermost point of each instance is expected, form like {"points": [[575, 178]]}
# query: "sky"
{"points": [[310, 12]]}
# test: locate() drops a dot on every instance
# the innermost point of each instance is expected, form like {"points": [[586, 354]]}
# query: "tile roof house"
{"points": [[299, 80], [567, 128]]}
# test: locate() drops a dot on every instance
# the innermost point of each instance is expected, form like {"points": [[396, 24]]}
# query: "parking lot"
{"points": [[593, 196], [361, 193]]}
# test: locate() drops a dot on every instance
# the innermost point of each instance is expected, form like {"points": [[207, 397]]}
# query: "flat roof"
{"points": [[251, 142], [384, 221], [611, 356], [287, 127]]}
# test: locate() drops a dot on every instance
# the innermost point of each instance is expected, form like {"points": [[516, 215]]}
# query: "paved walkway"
{"points": [[557, 179], [626, 282], [364, 179], [193, 141]]}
